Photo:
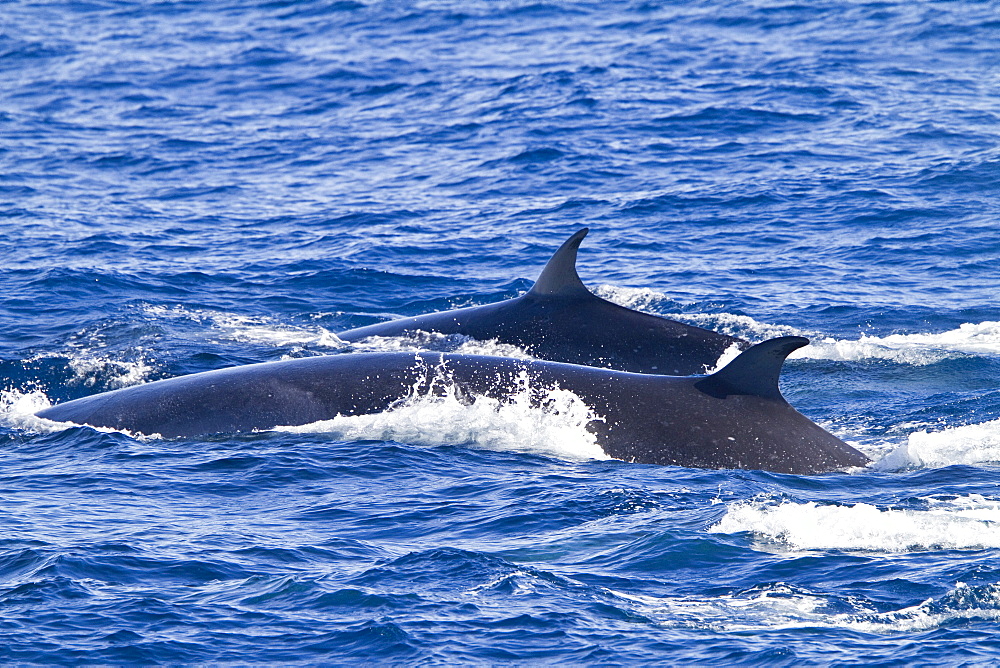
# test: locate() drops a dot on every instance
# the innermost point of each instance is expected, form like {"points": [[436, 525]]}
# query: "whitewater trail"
{"points": [[916, 349]]}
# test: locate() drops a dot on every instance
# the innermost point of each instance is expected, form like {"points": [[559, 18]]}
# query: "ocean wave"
{"points": [[783, 606], [657, 303], [965, 602], [959, 523], [772, 607], [646, 300], [547, 421], [916, 349], [727, 356], [249, 329]]}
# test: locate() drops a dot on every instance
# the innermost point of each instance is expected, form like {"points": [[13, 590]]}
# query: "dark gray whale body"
{"points": [[560, 320], [734, 418]]}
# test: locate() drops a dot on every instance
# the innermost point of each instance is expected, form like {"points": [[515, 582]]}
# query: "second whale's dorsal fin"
{"points": [[755, 371], [559, 277]]}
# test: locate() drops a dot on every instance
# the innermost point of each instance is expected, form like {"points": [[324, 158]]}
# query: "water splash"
{"points": [[543, 420], [18, 408]]}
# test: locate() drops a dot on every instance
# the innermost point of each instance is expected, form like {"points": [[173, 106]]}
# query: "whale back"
{"points": [[560, 320]]}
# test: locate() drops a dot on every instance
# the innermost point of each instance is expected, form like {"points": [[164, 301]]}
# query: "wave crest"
{"points": [[961, 523], [970, 445]]}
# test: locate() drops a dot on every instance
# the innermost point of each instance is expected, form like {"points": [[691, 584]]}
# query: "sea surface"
{"points": [[189, 185]]}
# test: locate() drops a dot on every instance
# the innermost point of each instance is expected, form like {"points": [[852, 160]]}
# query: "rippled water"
{"points": [[188, 186]]}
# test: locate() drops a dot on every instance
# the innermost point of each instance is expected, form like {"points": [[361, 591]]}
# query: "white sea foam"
{"points": [[90, 369], [548, 421], [963, 603], [637, 299], [657, 303], [780, 606], [742, 326], [262, 330], [775, 607], [966, 522], [917, 349], [970, 444]]}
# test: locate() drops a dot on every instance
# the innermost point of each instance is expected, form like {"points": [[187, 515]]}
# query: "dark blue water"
{"points": [[187, 186]]}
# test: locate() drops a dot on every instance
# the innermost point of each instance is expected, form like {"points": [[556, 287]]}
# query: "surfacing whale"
{"points": [[734, 418], [560, 320]]}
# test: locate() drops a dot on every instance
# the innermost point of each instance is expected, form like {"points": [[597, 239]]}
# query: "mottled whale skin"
{"points": [[734, 418], [560, 320]]}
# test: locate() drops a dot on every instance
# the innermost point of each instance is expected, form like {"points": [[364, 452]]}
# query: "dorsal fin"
{"points": [[559, 277], [755, 371]]}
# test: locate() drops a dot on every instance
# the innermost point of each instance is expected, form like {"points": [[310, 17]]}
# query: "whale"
{"points": [[560, 320], [735, 418]]}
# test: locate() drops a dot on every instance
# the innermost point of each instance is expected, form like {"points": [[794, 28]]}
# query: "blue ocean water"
{"points": [[187, 186]]}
